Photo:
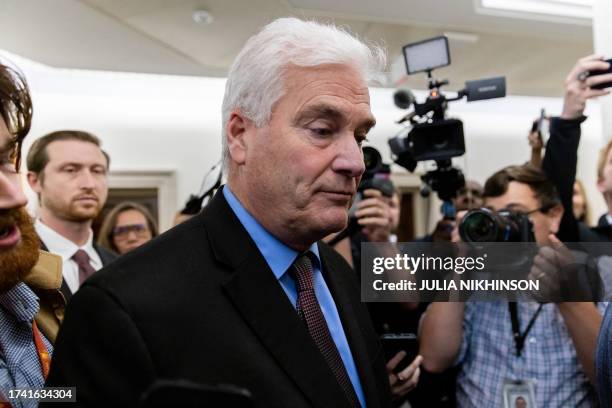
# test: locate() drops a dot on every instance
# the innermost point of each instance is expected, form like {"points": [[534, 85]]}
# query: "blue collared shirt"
{"points": [[19, 362], [488, 357], [279, 258]]}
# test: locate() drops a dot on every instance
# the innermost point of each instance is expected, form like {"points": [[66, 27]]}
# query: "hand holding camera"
{"points": [[373, 215], [585, 81]]}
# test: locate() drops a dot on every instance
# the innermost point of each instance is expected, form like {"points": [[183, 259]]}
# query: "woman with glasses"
{"points": [[127, 226]]}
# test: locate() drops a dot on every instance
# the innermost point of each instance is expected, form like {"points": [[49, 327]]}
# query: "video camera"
{"points": [[431, 135]]}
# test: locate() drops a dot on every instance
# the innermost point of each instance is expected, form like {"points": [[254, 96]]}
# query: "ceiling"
{"points": [[160, 36]]}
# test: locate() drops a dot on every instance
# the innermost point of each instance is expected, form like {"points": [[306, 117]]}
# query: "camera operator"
{"points": [[552, 352], [377, 217], [374, 217]]}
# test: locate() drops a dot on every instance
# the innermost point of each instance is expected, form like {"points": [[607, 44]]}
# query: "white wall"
{"points": [[169, 123], [602, 39]]}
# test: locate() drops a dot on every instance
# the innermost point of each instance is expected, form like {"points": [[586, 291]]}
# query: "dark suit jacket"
{"points": [[200, 303], [105, 256]]}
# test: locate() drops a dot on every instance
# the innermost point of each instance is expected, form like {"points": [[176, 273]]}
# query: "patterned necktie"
{"points": [[85, 268], [309, 310]]}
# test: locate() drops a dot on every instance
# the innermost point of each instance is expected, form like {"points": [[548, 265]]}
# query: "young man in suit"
{"points": [[67, 169], [31, 306], [244, 293]]}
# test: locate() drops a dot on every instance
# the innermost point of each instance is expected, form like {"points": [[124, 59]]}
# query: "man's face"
{"points": [[73, 186], [604, 184], [18, 241], [302, 169], [468, 197], [520, 197], [520, 403]]}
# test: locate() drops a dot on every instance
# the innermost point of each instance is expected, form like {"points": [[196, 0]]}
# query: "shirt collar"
{"points": [[62, 246], [21, 302], [278, 255]]}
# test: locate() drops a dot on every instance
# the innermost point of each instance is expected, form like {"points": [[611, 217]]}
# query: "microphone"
{"points": [[481, 89], [403, 98]]}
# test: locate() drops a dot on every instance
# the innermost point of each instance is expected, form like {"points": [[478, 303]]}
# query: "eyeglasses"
{"points": [[544, 209], [122, 232]]}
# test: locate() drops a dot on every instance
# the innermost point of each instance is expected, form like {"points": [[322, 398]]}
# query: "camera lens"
{"points": [[478, 226]]}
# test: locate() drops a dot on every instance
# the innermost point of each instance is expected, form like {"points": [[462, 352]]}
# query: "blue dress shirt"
{"points": [[279, 258], [19, 362]]}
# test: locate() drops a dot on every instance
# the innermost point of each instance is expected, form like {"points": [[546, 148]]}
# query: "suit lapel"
{"points": [[105, 256], [65, 290], [263, 304], [350, 318]]}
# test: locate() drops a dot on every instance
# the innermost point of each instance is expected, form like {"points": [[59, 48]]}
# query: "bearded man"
{"points": [[68, 171], [31, 305]]}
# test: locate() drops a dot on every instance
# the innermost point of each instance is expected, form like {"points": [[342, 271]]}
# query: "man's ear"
{"points": [[237, 129], [35, 182]]}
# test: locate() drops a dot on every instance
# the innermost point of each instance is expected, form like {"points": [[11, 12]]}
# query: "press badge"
{"points": [[519, 394]]}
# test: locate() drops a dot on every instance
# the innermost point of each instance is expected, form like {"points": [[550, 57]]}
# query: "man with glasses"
{"points": [[67, 169], [554, 352], [31, 305]]}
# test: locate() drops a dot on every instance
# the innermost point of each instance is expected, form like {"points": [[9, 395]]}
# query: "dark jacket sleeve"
{"points": [[88, 355], [559, 164]]}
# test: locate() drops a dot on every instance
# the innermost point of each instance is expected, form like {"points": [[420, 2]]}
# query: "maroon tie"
{"points": [[309, 310], [85, 268]]}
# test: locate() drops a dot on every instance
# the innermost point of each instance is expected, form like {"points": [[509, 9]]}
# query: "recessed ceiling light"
{"points": [[202, 17], [546, 9]]}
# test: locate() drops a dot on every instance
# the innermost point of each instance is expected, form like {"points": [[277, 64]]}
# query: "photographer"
{"points": [[375, 216], [553, 353]]}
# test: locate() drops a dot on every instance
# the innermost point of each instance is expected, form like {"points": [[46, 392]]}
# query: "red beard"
{"points": [[18, 261]]}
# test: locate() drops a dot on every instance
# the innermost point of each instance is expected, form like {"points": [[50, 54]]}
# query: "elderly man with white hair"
{"points": [[245, 293]]}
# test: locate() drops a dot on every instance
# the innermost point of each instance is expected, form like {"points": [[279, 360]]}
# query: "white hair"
{"points": [[254, 82]]}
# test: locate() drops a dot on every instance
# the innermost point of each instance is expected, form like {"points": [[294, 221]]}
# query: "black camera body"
{"points": [[486, 225], [376, 174]]}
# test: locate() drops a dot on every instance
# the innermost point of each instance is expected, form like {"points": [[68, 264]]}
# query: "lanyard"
{"points": [[4, 402], [519, 339], [41, 349]]}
